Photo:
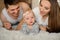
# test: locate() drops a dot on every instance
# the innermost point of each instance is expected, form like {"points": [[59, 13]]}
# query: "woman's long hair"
{"points": [[54, 17]]}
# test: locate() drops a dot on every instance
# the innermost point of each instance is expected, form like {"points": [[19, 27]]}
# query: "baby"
{"points": [[29, 26]]}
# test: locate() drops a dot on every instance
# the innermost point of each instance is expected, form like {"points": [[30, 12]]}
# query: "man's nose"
{"points": [[16, 11]]}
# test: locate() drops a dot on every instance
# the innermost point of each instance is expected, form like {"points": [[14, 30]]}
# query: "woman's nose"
{"points": [[42, 9]]}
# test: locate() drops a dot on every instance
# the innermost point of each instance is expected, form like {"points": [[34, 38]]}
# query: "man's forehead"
{"points": [[13, 6]]}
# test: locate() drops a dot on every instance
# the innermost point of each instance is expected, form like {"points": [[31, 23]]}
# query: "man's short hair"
{"points": [[10, 2]]}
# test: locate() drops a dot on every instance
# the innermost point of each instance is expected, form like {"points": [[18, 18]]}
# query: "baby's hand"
{"points": [[7, 25]]}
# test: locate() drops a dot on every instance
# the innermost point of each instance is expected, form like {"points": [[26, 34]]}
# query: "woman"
{"points": [[42, 13], [48, 15]]}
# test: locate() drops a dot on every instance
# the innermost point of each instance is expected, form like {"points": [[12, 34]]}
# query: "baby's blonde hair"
{"points": [[28, 12]]}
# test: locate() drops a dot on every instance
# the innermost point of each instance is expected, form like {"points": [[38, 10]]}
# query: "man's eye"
{"points": [[12, 10], [17, 7]]}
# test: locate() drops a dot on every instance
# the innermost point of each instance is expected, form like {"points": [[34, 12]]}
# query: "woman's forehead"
{"points": [[46, 3]]}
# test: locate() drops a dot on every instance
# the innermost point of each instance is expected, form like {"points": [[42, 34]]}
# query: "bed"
{"points": [[17, 35]]}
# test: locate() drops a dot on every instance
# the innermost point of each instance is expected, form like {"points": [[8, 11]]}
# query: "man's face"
{"points": [[13, 10]]}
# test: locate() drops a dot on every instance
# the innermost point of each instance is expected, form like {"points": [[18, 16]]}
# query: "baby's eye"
{"points": [[27, 18], [32, 17]]}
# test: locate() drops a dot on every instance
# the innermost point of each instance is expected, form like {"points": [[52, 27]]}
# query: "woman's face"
{"points": [[45, 7]]}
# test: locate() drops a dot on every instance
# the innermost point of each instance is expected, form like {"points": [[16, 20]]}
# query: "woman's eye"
{"points": [[46, 8], [40, 5]]}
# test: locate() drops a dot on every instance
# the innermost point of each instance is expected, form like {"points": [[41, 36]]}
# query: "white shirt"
{"points": [[39, 17]]}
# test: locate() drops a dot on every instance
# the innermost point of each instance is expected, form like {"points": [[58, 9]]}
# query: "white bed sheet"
{"points": [[17, 35]]}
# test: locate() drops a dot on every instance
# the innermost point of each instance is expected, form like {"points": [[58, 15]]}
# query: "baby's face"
{"points": [[29, 19]]}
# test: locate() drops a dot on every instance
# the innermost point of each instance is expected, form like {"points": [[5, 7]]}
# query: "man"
{"points": [[11, 14]]}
